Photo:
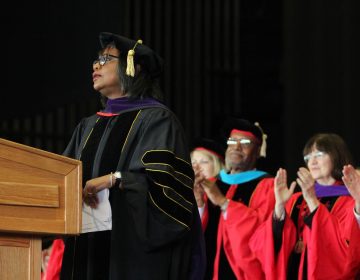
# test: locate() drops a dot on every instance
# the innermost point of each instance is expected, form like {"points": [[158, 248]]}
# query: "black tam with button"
{"points": [[150, 61], [241, 124]]}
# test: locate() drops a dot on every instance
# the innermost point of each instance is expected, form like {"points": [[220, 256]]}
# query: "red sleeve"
{"points": [[352, 267], [262, 201], [262, 245], [240, 223], [205, 215], [328, 240], [54, 266]]}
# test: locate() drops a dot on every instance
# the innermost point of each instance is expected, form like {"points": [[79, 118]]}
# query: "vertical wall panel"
{"points": [[216, 60]]}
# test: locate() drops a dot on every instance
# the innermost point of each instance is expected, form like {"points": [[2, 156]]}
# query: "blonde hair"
{"points": [[217, 162]]}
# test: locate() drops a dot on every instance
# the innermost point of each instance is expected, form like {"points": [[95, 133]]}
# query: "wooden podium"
{"points": [[40, 195]]}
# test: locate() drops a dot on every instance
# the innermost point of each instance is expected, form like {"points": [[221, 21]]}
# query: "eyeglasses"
{"points": [[245, 142], [102, 59], [316, 155]]}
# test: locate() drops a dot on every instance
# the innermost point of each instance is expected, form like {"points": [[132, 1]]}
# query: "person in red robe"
{"points": [[351, 179], [237, 202], [207, 160], [313, 234], [53, 266]]}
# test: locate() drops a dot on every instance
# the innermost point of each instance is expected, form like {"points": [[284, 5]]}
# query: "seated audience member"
{"points": [[312, 233], [237, 202], [207, 159], [52, 260], [351, 179]]}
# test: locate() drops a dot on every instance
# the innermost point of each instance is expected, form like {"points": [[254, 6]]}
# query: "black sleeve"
{"points": [[277, 226], [159, 180], [308, 219]]}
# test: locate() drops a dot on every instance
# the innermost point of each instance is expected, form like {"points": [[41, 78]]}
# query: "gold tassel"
{"points": [[130, 68], [263, 145]]}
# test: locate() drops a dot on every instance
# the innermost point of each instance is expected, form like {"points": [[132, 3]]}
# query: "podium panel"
{"points": [[40, 192], [20, 257], [40, 195]]}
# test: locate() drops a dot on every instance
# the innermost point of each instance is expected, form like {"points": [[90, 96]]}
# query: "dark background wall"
{"points": [[321, 73], [290, 65]]}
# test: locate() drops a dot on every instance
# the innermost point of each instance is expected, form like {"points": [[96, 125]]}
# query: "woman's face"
{"points": [[320, 166], [204, 163], [105, 77]]}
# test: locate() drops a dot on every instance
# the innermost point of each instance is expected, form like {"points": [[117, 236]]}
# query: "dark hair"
{"points": [[142, 85], [333, 145]]}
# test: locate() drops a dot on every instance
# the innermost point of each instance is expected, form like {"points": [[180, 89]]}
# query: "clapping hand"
{"points": [[282, 192], [198, 189], [307, 185], [351, 179], [213, 192]]}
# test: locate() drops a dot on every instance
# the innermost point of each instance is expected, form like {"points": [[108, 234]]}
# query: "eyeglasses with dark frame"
{"points": [[245, 142], [102, 59]]}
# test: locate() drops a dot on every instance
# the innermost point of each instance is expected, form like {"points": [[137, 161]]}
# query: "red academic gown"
{"points": [[55, 261], [352, 267], [235, 230], [331, 244]]}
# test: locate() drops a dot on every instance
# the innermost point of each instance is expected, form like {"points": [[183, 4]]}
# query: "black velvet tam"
{"points": [[144, 56], [210, 145], [241, 124]]}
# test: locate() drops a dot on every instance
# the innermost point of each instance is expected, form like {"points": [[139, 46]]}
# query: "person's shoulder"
{"points": [[267, 176], [161, 108], [88, 120], [345, 200], [159, 112], [265, 187], [267, 181]]}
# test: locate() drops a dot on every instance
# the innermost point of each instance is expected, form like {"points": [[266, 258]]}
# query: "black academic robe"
{"points": [[153, 214]]}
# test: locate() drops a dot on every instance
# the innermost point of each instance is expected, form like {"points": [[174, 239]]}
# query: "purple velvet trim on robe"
{"points": [[332, 190], [118, 105]]}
